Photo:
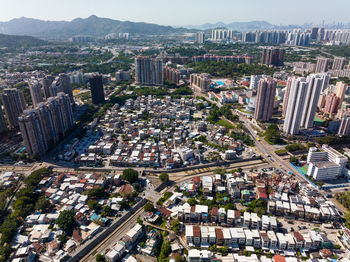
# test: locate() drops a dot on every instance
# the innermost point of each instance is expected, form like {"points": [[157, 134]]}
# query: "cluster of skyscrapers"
{"points": [[295, 37], [333, 36], [46, 124], [301, 99], [298, 37], [221, 34]]}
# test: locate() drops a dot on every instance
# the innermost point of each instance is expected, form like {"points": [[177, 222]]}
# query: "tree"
{"points": [[62, 238], [97, 193], [139, 220], [35, 177], [192, 202], [5, 252], [175, 226], [8, 230], [100, 258], [272, 134], [295, 147], [164, 177], [257, 206], [66, 221], [136, 187], [294, 160], [165, 250], [148, 207], [42, 204], [94, 205], [106, 211], [130, 175]]}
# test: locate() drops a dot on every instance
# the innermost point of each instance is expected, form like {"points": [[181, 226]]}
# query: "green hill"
{"points": [[92, 26], [15, 41]]}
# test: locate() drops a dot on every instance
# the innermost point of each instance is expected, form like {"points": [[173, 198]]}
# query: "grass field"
{"points": [[226, 124]]}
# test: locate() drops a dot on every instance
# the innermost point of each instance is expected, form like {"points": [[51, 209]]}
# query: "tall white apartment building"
{"points": [[315, 86], [296, 101]]}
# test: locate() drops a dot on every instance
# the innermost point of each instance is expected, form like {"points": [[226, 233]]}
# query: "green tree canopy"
{"points": [[130, 175], [164, 177], [94, 205], [192, 202], [97, 193], [148, 207], [43, 204], [66, 221]]}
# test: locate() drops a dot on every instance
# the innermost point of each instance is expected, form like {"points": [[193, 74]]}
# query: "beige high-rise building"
{"points": [[33, 134], [286, 95], [14, 104], [322, 101], [340, 90], [149, 71], [265, 99], [46, 124], [35, 92], [331, 106], [338, 63], [322, 65], [200, 82]]}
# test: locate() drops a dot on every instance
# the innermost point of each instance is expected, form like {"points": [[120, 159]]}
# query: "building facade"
{"points": [[200, 82], [273, 56], [46, 124], [97, 91], [322, 65], [14, 104], [296, 101], [265, 99], [35, 92], [149, 71]]}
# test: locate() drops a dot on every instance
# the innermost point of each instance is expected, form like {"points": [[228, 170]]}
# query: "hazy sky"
{"points": [[182, 12]]}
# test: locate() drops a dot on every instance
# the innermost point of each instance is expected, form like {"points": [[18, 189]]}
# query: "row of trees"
{"points": [[27, 200]]}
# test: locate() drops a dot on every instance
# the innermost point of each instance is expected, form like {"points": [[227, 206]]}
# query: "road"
{"points": [[267, 151]]}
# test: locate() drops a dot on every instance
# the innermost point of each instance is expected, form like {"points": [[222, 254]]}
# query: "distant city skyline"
{"points": [[182, 12]]}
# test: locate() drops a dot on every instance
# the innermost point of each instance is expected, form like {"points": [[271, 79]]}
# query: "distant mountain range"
{"points": [[14, 41], [92, 26], [99, 27], [238, 26]]}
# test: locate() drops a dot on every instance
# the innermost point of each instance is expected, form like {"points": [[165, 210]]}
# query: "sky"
{"points": [[182, 12]]}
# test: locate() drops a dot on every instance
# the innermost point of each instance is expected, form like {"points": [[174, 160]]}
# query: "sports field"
{"points": [[302, 169]]}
